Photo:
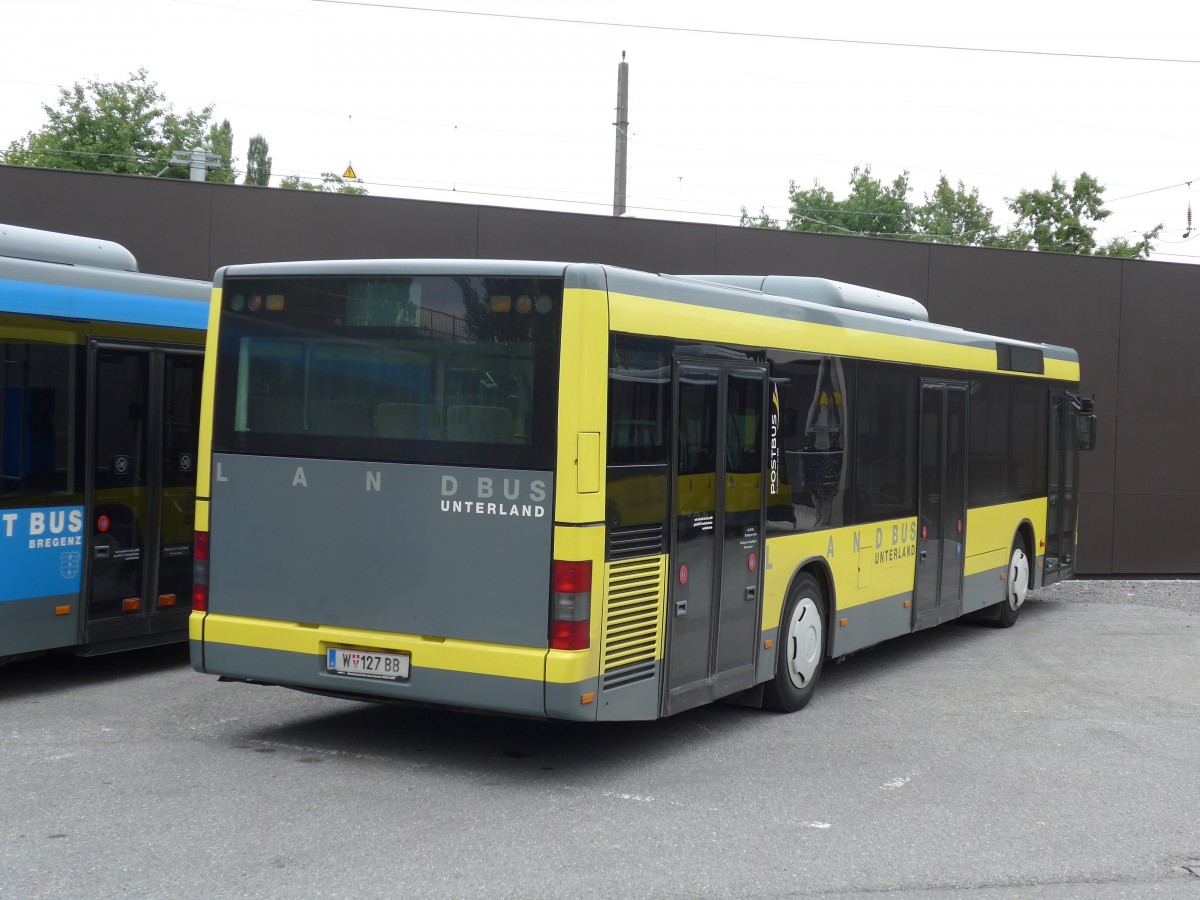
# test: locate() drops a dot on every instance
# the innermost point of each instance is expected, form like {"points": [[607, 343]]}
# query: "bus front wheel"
{"points": [[801, 648], [1016, 584]]}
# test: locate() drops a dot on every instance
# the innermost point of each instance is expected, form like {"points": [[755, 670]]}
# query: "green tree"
{"points": [[258, 162], [955, 216], [126, 127], [1064, 220], [330, 183], [872, 208], [1058, 220], [220, 142], [761, 221]]}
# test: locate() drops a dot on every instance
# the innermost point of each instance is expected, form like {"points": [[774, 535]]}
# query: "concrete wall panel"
{"points": [[1155, 534], [267, 224], [633, 243], [1095, 551]]}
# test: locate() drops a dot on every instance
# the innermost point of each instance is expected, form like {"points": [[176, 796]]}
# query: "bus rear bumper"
{"points": [[306, 671], [461, 674]]}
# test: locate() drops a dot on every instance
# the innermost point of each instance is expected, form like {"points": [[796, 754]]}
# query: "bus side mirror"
{"points": [[1085, 432]]}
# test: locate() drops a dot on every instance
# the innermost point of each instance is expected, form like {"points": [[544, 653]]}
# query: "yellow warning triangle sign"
{"points": [[349, 173]]}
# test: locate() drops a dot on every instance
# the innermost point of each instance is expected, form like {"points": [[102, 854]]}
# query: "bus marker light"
{"points": [[167, 600], [1041, 543], [843, 622], [62, 610], [130, 604], [589, 697], [907, 604], [274, 302], [768, 644]]}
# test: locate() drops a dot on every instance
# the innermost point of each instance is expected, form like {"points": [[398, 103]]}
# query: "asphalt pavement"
{"points": [[1059, 758]]}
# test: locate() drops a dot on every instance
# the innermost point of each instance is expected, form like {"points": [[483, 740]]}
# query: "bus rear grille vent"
{"points": [[633, 620], [635, 540], [629, 675]]}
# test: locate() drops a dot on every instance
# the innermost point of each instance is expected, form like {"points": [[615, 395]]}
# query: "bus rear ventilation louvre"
{"points": [[630, 541], [632, 621]]}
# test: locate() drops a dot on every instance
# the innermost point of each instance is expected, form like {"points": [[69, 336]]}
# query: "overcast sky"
{"points": [[729, 101]]}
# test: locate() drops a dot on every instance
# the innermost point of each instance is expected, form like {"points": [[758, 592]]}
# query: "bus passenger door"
{"points": [[713, 611], [141, 489], [1062, 495], [942, 504]]}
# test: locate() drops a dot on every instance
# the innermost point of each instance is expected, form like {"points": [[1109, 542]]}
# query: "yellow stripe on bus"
{"points": [[76, 333], [991, 529], [203, 469], [582, 407], [472, 657], [644, 315]]}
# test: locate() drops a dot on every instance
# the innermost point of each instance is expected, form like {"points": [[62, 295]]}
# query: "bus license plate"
{"points": [[368, 664]]}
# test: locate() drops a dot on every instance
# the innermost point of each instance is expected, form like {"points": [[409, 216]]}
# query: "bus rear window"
{"points": [[429, 369]]}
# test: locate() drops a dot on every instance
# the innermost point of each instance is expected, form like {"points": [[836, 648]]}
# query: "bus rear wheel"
{"points": [[801, 648], [1016, 584]]}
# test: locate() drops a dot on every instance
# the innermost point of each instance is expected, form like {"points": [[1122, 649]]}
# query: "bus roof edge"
{"points": [[65, 249], [826, 292]]}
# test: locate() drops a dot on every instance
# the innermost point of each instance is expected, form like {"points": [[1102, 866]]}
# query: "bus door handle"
{"points": [[924, 555], [102, 551], [680, 607]]}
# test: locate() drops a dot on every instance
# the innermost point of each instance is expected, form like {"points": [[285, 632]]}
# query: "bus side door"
{"points": [[1062, 494], [143, 423], [717, 539], [942, 503]]}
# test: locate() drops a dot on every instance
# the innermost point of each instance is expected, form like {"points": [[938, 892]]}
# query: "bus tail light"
{"points": [[200, 573], [571, 605]]}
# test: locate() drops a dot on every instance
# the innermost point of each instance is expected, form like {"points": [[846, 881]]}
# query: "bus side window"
{"points": [[37, 415]]}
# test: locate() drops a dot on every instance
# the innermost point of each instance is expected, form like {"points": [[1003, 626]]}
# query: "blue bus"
{"points": [[100, 369]]}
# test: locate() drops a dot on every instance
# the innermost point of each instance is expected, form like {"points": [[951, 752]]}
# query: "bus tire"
{"points": [[801, 648], [1016, 584]]}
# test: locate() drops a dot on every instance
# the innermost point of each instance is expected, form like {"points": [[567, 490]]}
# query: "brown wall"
{"points": [[1136, 325]]}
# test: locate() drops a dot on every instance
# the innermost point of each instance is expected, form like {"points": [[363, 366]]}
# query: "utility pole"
{"points": [[198, 160], [622, 124]]}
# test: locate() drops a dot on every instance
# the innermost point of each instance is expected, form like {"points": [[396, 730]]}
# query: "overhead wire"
{"points": [[706, 32], [721, 32]]}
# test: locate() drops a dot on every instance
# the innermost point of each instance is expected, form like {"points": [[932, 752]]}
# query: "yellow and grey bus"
{"points": [[582, 492], [100, 370]]}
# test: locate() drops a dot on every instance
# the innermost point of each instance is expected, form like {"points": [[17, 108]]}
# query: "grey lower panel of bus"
{"points": [[631, 692], [871, 623], [985, 589], [490, 693], [766, 657], [982, 589], [27, 626], [564, 701]]}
